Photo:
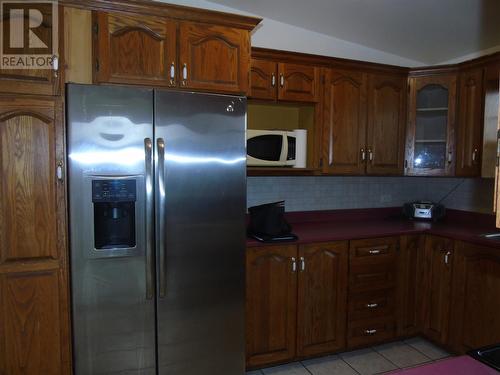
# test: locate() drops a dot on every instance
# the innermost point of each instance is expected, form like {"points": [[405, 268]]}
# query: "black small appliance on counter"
{"points": [[268, 223], [424, 210]]}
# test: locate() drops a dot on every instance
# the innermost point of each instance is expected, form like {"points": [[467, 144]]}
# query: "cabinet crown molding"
{"points": [[178, 12]]}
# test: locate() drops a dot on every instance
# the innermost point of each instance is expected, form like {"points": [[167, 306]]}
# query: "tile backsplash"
{"points": [[329, 193]]}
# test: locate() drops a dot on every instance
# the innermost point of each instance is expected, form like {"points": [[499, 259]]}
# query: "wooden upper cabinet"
{"points": [[344, 131], [430, 136], [476, 297], [298, 82], [134, 49], [271, 304], [438, 259], [214, 58], [35, 81], [470, 123], [263, 79], [322, 298], [386, 124], [34, 318]]}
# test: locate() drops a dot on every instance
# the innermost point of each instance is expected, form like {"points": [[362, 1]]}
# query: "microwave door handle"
{"points": [[284, 150]]}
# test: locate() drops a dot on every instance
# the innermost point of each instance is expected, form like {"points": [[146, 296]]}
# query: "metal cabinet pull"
{"points": [[294, 264], [55, 65], [60, 171], [474, 155], [370, 154], [374, 252], [161, 222], [371, 305], [449, 157], [148, 149], [447, 257], [273, 80], [363, 154], [172, 73], [184, 74], [282, 80], [370, 331], [302, 264]]}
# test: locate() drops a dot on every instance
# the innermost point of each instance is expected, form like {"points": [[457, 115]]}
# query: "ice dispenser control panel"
{"points": [[114, 213]]}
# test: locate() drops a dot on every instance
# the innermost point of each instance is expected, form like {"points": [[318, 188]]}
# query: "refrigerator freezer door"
{"points": [[200, 232], [113, 310]]}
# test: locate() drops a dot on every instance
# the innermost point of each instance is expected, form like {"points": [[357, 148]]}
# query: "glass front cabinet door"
{"points": [[430, 137]]}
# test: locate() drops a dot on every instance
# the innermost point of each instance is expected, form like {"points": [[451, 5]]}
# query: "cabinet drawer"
{"points": [[370, 331], [364, 277], [371, 251], [371, 305]]}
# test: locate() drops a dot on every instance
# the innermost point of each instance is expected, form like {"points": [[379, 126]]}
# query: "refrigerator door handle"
{"points": [[148, 149], [161, 213]]}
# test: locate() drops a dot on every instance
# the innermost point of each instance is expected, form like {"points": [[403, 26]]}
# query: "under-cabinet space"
{"points": [[266, 152]]}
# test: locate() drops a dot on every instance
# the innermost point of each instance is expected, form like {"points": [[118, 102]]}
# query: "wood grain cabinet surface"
{"points": [[470, 123], [322, 298], [148, 50], [476, 297], [134, 49], [34, 318], [344, 122], [430, 134], [271, 304], [438, 257], [385, 141], [285, 81]]}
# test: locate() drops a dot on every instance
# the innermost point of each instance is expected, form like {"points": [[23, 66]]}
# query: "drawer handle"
{"points": [[374, 252], [371, 305], [371, 331]]}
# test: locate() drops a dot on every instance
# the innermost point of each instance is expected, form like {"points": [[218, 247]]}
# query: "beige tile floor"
{"points": [[375, 360]]}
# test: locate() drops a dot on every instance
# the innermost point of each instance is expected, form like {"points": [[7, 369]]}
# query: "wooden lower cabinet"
{"points": [[271, 304], [476, 297], [410, 278], [296, 301], [436, 285], [322, 298], [34, 306]]}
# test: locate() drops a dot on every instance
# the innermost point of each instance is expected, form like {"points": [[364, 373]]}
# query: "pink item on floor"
{"points": [[464, 365]]}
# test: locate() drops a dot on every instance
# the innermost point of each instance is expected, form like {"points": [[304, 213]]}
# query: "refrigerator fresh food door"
{"points": [[110, 136], [200, 211]]}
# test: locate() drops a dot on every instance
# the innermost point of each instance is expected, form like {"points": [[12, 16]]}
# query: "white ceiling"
{"points": [[430, 31]]}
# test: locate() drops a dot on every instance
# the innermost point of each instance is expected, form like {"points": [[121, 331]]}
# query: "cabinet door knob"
{"points": [[370, 331], [184, 74], [294, 264], [447, 257], [302, 264], [55, 65], [374, 252], [370, 154], [449, 157], [371, 305], [172, 73], [474, 155], [59, 171], [363, 154], [273, 80], [282, 80]]}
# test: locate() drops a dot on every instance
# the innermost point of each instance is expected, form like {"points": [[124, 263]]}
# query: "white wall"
{"points": [[278, 35]]}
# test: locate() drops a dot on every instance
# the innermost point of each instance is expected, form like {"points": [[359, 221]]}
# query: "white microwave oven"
{"points": [[281, 148]]}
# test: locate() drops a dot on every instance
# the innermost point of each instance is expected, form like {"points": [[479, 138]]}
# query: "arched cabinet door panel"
{"points": [[213, 58], [298, 82], [263, 79], [344, 131], [34, 318], [271, 304], [134, 49], [386, 124]]}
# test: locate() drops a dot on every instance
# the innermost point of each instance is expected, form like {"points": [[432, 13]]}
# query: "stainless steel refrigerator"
{"points": [[157, 196]]}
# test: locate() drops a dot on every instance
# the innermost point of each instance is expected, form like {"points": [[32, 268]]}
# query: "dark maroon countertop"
{"points": [[323, 226]]}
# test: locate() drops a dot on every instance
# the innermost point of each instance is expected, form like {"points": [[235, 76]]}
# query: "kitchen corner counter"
{"points": [[325, 226], [463, 365]]}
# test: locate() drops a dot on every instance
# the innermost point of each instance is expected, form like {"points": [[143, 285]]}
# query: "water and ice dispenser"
{"points": [[114, 203]]}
